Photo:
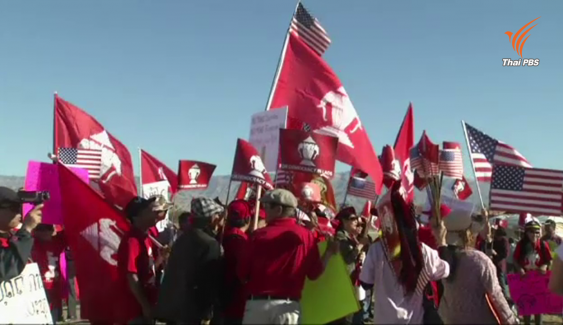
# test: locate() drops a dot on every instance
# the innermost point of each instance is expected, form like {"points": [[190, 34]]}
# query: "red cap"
{"points": [[238, 210]]}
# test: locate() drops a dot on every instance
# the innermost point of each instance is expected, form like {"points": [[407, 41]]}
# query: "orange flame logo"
{"points": [[517, 43]]}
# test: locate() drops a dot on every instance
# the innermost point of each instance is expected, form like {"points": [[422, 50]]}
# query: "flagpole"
{"points": [[140, 172], [347, 188], [55, 125], [280, 61], [472, 164]]}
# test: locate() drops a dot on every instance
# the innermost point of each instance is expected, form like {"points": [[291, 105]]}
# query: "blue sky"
{"points": [[181, 78]]}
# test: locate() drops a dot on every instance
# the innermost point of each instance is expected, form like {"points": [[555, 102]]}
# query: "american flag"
{"points": [[362, 187], [424, 167], [486, 151], [309, 30], [283, 177], [526, 190], [89, 159], [451, 163]]}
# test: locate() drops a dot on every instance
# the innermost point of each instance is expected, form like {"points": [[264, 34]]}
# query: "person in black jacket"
{"points": [[189, 293], [15, 248]]}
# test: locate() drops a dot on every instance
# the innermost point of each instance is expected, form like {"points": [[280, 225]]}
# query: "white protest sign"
{"points": [[156, 189], [23, 300], [265, 135], [160, 188]]}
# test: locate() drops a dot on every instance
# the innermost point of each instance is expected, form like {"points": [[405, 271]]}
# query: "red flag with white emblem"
{"points": [[94, 238], [194, 175], [76, 129], [461, 189], [314, 95], [157, 178], [248, 166], [308, 152]]}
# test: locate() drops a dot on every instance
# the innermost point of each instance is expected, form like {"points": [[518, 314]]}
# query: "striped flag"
{"points": [[283, 177], [451, 163], [486, 151], [89, 159], [308, 28], [526, 190], [362, 187]]}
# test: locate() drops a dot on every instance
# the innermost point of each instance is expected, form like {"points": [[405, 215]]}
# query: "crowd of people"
{"points": [[218, 265]]}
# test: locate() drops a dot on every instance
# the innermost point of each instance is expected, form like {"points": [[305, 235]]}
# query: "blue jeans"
{"points": [[363, 314]]}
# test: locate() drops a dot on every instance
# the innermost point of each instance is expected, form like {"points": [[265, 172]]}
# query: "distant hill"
{"points": [[219, 184]]}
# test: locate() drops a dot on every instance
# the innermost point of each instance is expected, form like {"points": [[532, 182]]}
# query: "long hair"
{"points": [[526, 246]]}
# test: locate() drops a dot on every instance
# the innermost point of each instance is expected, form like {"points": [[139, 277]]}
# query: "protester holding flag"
{"points": [[15, 249], [398, 266], [276, 262], [136, 262], [190, 290]]}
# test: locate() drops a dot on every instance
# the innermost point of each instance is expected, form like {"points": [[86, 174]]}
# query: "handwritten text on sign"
{"points": [[23, 300], [532, 296], [265, 134]]}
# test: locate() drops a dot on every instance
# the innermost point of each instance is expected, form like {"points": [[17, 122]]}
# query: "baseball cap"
{"points": [[8, 196], [280, 196], [136, 205], [238, 210]]}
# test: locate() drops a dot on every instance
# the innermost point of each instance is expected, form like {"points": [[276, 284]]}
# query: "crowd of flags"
{"points": [[485, 152]]}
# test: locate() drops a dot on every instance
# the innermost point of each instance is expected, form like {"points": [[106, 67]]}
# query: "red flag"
{"points": [[153, 172], [194, 175], [245, 192], [307, 152], [391, 167], [366, 211], [75, 128], [461, 188], [248, 166], [93, 230], [314, 95], [403, 145]]}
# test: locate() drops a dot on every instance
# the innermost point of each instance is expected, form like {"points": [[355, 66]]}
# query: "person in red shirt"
{"points": [[46, 252], [136, 263], [234, 242], [532, 254], [276, 262]]}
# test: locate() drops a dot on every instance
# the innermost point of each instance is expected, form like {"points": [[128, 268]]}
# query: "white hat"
{"points": [[460, 219]]}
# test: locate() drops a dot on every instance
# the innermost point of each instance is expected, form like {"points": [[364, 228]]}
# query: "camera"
{"points": [[33, 197]]}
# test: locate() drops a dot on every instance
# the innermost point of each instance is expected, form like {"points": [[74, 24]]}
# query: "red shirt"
{"points": [[541, 255], [278, 259], [234, 244], [47, 256], [135, 255]]}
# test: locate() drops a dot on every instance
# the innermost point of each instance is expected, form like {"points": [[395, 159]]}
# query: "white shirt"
{"points": [[391, 305]]}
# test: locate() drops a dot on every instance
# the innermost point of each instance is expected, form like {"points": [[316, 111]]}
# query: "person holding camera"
{"points": [[15, 248]]}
